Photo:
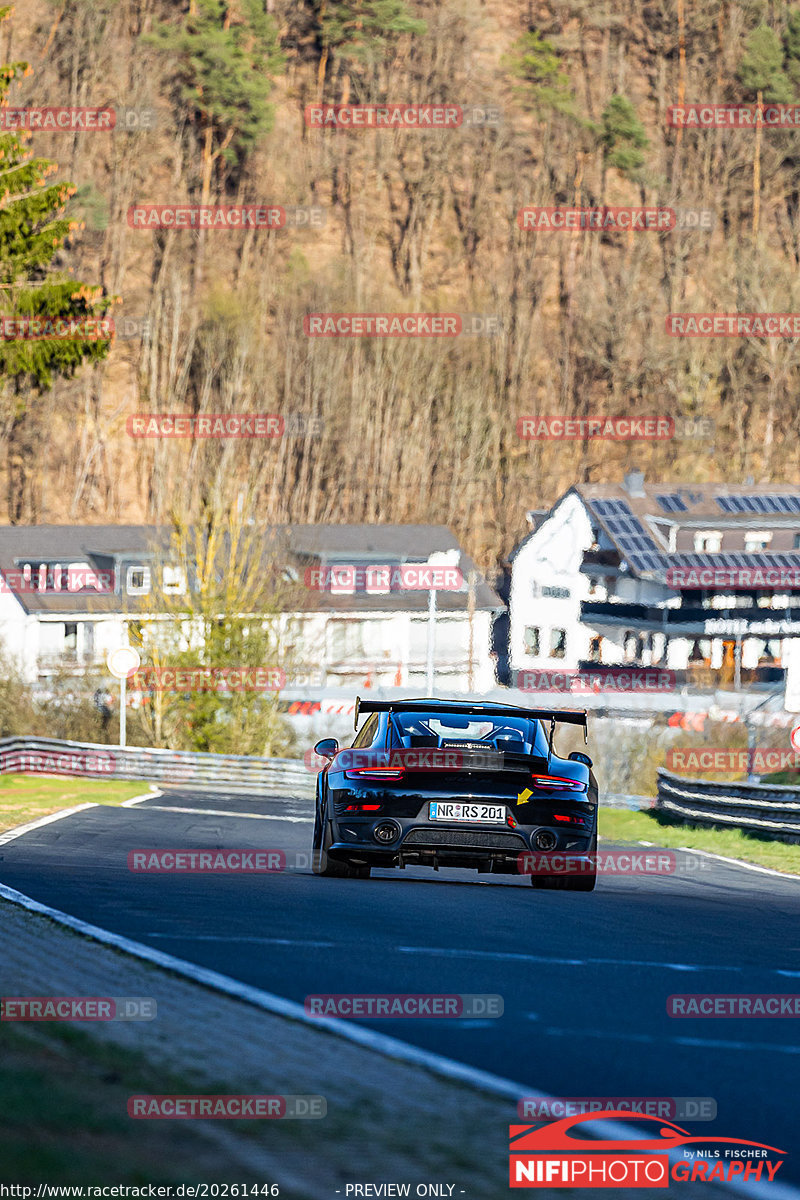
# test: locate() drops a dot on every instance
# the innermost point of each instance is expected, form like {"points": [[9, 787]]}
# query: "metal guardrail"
{"points": [[47, 756], [768, 810], [623, 800]]}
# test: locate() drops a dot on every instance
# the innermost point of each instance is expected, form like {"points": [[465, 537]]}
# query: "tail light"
{"points": [[362, 808], [558, 783], [572, 819], [374, 773]]}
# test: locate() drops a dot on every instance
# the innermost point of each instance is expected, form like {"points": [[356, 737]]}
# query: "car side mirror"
{"points": [[327, 747], [577, 756]]}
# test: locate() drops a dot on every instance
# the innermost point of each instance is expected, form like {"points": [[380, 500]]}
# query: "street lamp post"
{"points": [[431, 639], [122, 663], [439, 558]]}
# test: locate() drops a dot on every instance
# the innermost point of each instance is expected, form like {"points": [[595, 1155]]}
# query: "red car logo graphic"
{"points": [[558, 1136]]}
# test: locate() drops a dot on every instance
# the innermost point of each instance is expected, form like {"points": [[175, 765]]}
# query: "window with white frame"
{"points": [[558, 643], [532, 639], [137, 582], [707, 541], [173, 580]]}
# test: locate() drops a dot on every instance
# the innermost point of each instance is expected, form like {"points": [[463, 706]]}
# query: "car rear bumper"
{"points": [[423, 843]]}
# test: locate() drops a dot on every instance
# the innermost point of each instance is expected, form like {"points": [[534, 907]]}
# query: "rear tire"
{"points": [[321, 861], [569, 883]]}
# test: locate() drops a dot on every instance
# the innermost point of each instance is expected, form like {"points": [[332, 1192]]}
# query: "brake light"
{"points": [[557, 783], [374, 773]]}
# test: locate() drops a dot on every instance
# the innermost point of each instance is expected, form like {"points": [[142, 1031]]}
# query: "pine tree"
{"points": [[33, 227], [358, 33], [223, 81], [544, 85], [623, 136], [791, 47], [761, 73], [761, 67], [360, 30], [223, 77]]}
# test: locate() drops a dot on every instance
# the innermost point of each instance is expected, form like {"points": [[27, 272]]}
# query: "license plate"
{"points": [[480, 814]]}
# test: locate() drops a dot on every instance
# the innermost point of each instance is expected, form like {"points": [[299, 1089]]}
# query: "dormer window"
{"points": [[173, 580], [707, 541], [137, 582]]}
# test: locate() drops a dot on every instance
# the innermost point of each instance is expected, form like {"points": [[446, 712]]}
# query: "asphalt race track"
{"points": [[584, 977]]}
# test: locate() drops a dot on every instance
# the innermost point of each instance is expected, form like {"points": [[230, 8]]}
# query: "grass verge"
{"points": [[64, 1098], [620, 825], [25, 798]]}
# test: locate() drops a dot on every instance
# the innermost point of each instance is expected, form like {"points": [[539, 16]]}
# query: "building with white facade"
{"points": [[69, 594], [701, 579]]}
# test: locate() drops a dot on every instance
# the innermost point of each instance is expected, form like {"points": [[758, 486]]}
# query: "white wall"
{"points": [[14, 636], [551, 557]]}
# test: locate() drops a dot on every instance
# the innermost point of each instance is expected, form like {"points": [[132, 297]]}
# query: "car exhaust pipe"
{"points": [[386, 832]]}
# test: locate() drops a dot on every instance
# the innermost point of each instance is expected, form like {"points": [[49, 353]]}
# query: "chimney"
{"points": [[634, 483]]}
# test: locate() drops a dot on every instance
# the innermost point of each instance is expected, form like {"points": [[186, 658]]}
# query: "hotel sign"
{"points": [[739, 628]]}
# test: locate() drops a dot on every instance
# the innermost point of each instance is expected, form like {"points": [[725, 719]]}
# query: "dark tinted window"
{"points": [[511, 734]]}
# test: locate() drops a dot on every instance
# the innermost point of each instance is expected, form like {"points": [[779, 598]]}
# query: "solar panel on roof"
{"points": [[647, 562], [768, 503], [608, 508], [671, 503]]}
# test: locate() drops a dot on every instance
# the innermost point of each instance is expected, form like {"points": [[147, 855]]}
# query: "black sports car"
{"points": [[447, 783]]}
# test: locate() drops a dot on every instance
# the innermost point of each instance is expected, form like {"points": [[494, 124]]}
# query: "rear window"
{"points": [[452, 730]]}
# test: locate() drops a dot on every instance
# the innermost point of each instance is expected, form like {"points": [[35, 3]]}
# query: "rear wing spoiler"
{"points": [[550, 715]]}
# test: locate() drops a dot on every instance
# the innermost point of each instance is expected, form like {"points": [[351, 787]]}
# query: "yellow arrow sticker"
{"points": [[524, 796]]}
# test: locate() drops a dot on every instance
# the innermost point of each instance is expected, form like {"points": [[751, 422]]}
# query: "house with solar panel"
{"points": [[703, 579]]}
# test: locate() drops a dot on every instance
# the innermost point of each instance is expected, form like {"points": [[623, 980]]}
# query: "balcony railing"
{"points": [[67, 660], [702, 677], [692, 618]]}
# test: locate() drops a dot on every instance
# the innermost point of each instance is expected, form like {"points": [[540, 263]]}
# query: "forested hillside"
{"points": [[412, 429]]}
